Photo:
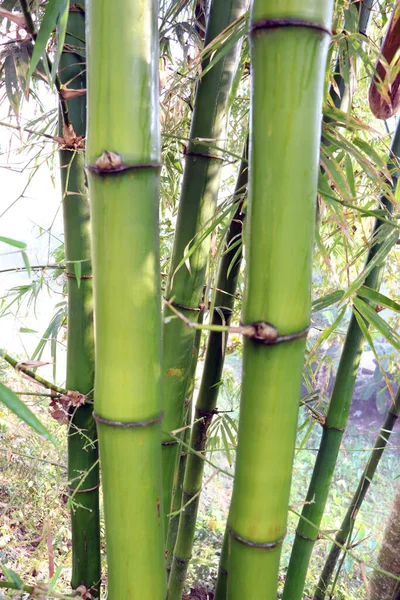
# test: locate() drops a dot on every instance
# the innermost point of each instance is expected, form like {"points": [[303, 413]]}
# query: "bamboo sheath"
{"points": [[203, 163], [83, 469], [289, 45], [123, 156], [208, 394], [308, 527], [343, 535]]}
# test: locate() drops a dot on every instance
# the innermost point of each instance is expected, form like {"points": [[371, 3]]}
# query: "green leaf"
{"points": [[53, 9], [78, 272], [12, 242], [19, 408], [27, 330], [327, 300], [380, 324], [377, 298], [26, 263], [12, 576], [61, 31]]}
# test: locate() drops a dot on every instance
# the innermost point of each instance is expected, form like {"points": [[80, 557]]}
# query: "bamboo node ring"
{"points": [[287, 22], [304, 537], [73, 276], [110, 163], [326, 426], [181, 561], [203, 155], [266, 333], [127, 425], [92, 489], [183, 306], [261, 545], [170, 443]]}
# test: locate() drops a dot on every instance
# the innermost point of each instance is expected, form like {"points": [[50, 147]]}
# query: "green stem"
{"points": [[82, 434], [346, 528], [197, 204], [123, 166], [289, 47], [208, 394], [308, 527]]}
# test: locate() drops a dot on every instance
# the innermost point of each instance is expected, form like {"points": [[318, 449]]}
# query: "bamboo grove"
{"points": [[215, 157]]}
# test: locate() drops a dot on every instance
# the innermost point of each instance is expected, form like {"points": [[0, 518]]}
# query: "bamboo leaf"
{"points": [[61, 32], [327, 300], [326, 334], [78, 272], [378, 298], [12, 242], [26, 263], [380, 324], [48, 24], [13, 403], [12, 576]]}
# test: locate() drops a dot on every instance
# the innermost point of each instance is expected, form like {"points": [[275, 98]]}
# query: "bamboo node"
{"points": [[129, 424], [181, 561], [326, 426], [287, 22], [261, 545], [111, 162], [169, 442], [266, 333], [73, 276], [202, 155], [304, 537], [183, 306]]}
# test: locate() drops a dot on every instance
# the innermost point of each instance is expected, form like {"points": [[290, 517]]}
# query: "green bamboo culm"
{"points": [[123, 163], [289, 46], [207, 398], [83, 468], [308, 527], [182, 453], [344, 534], [203, 164]]}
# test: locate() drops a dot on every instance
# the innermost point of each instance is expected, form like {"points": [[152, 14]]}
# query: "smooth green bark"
{"points": [[288, 68], [197, 205], [82, 434], [308, 527], [123, 131], [208, 394], [346, 528]]}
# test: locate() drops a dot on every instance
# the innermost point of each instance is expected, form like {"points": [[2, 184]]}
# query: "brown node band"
{"points": [[304, 537], [325, 426], [261, 545], [181, 561], [127, 425], [288, 22], [92, 489], [183, 306], [266, 333], [393, 414], [170, 443], [206, 413], [73, 276], [121, 168], [222, 570]]}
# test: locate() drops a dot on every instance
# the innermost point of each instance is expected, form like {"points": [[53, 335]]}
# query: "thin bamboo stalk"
{"points": [[344, 534], [123, 157], [289, 46], [82, 434], [197, 204], [208, 394], [308, 527], [182, 456]]}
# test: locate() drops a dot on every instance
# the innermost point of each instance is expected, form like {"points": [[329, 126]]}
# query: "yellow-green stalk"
{"points": [[123, 156], [289, 46]]}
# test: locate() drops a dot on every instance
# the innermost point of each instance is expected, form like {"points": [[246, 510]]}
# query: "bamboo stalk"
{"points": [[197, 204], [289, 46], [342, 538], [123, 158], [208, 394], [82, 434], [308, 527]]}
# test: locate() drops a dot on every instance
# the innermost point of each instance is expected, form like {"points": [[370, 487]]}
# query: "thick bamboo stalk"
{"points": [[82, 434], [203, 163], [289, 45], [208, 394], [308, 527], [343, 535], [123, 156]]}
